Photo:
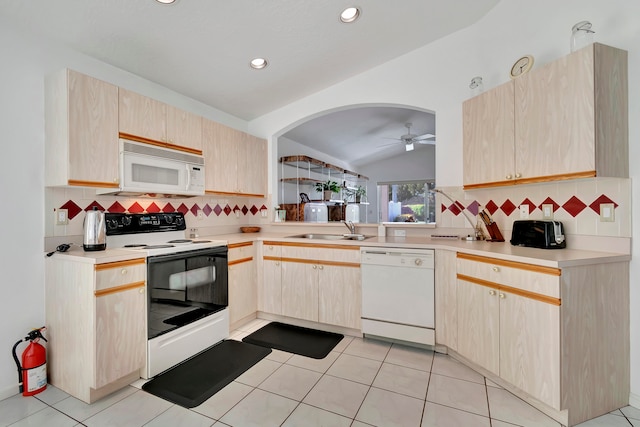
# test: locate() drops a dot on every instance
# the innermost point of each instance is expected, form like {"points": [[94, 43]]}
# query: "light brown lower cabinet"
{"points": [[243, 293], [558, 338], [96, 325]]}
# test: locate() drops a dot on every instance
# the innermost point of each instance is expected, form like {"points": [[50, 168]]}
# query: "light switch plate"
{"points": [[607, 212], [62, 216], [547, 211], [399, 233], [524, 211]]}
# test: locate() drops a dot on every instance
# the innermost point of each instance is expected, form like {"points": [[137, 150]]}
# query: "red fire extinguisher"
{"points": [[32, 375]]}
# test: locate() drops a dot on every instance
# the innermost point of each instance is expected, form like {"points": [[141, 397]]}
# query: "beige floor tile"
{"points": [[448, 366], [357, 423], [279, 356], [318, 365], [443, 416], [291, 381], [411, 357], [177, 416], [355, 368], [221, 402], [48, 417], [464, 395], [403, 380], [309, 416], [631, 412], [79, 410], [496, 423], [606, 421], [18, 407], [384, 408], [337, 395], [51, 395], [343, 344], [135, 410], [371, 349], [258, 372], [491, 383], [260, 409], [504, 406], [253, 325]]}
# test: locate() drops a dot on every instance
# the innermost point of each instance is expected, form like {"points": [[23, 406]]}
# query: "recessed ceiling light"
{"points": [[258, 63], [350, 14], [166, 1]]}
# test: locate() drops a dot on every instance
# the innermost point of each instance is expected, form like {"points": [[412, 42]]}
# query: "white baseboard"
{"points": [[8, 391], [634, 400]]}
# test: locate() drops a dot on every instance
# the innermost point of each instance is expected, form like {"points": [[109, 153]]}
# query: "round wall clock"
{"points": [[521, 66]]}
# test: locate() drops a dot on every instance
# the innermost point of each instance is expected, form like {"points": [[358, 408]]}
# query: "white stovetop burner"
{"points": [[161, 243]]}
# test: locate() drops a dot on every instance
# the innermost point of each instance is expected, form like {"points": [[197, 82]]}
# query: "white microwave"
{"points": [[147, 170]]}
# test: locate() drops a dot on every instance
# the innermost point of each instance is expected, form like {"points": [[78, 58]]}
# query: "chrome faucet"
{"points": [[351, 226]]}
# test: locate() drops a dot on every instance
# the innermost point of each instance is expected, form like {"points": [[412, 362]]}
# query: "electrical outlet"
{"points": [[200, 215], [400, 233], [524, 211], [607, 212], [62, 216], [547, 211]]}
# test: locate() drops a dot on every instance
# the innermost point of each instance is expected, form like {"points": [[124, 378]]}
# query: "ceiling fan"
{"points": [[409, 138]]}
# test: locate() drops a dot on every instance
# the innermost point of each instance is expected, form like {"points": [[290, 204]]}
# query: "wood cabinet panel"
{"points": [[252, 165], [121, 334], [118, 274], [446, 310], [300, 290], [340, 296], [243, 293], [81, 131], [142, 116], [184, 129]]}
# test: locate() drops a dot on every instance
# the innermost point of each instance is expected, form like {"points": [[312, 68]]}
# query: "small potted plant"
{"points": [[327, 188], [356, 193]]}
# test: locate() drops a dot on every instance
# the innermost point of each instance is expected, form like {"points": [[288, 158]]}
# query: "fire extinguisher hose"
{"points": [[15, 357]]}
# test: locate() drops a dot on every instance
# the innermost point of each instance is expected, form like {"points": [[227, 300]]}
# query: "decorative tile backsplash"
{"points": [[575, 203]]}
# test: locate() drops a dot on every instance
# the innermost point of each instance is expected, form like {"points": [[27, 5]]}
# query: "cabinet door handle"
{"points": [[418, 261], [518, 175], [315, 267], [123, 271], [508, 176], [503, 296], [492, 293], [496, 269], [321, 267], [141, 291]]}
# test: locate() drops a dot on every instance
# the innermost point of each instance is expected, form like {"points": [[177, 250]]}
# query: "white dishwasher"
{"points": [[398, 294]]}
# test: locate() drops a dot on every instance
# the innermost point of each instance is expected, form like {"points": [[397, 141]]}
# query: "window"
{"points": [[408, 201]]}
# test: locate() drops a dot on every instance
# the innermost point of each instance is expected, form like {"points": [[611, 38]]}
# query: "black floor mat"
{"points": [[197, 379], [295, 339]]}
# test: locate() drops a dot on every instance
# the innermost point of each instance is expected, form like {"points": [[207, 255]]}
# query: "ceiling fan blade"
{"points": [[387, 145], [425, 136], [395, 139], [426, 141]]}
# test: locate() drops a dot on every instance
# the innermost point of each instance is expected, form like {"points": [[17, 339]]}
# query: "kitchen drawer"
{"points": [[238, 251], [113, 274], [343, 254], [271, 249], [528, 277]]}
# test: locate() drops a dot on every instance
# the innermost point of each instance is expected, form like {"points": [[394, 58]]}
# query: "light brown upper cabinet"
{"points": [[81, 131], [567, 119], [152, 120], [236, 161]]}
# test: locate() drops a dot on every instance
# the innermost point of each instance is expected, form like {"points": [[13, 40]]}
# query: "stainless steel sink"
{"points": [[315, 236]]}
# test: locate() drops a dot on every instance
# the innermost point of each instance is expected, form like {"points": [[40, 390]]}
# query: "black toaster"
{"points": [[538, 234]]}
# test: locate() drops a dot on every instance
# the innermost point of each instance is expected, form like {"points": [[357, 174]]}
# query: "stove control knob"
{"points": [[179, 220], [126, 221], [112, 224], [168, 219]]}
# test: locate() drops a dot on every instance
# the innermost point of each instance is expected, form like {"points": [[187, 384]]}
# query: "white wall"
{"points": [[25, 63], [436, 77]]}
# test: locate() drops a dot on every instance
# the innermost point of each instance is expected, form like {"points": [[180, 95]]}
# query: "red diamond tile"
{"points": [[194, 209], [207, 209], [236, 208], [595, 206], [455, 209], [182, 209], [227, 210], [168, 208], [508, 207], [574, 206], [532, 206], [254, 210], [99, 206], [153, 208], [491, 207], [116, 208], [136, 208], [263, 207], [217, 210], [245, 210], [443, 208], [474, 208], [72, 209], [549, 201]]}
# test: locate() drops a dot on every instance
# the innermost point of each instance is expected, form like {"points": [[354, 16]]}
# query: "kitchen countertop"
{"points": [[503, 250]]}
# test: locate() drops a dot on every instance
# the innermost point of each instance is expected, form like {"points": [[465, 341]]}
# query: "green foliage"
{"points": [[326, 186]]}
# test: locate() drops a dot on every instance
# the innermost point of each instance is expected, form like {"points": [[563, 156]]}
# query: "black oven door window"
{"points": [[185, 287]]}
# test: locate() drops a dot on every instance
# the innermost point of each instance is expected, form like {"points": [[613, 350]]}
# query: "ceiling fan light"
{"points": [[409, 146], [258, 63]]}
